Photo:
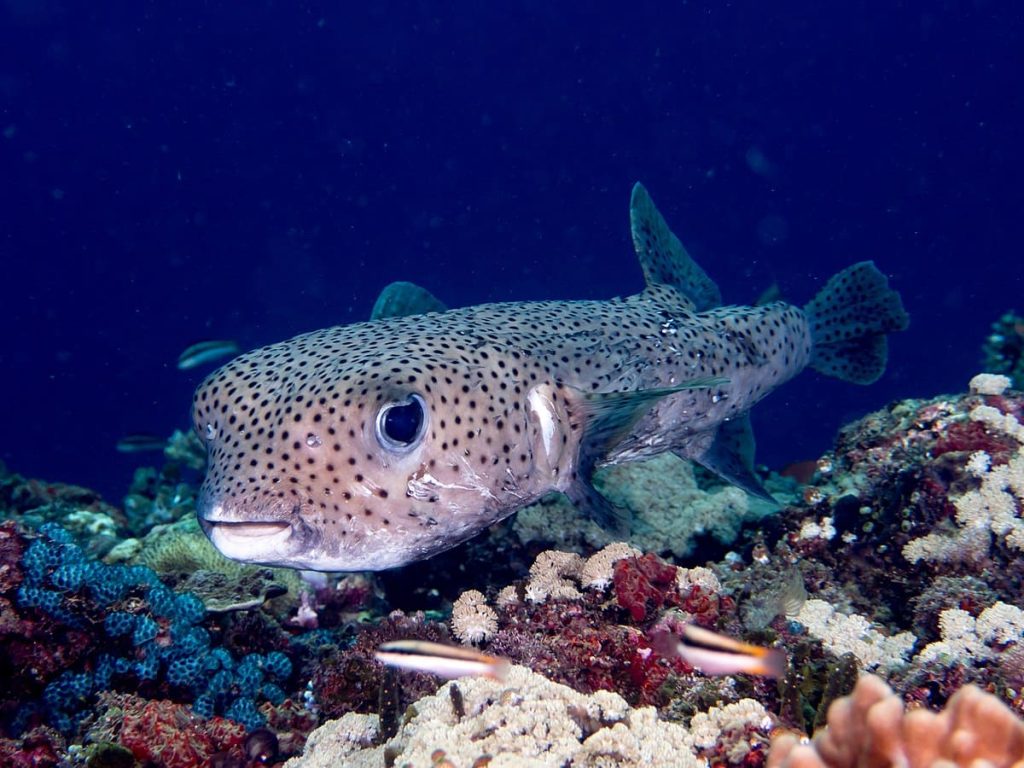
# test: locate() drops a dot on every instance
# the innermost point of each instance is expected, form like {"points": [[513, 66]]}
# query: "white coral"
{"points": [[707, 728], [854, 634], [550, 576], [964, 637], [697, 577], [473, 621], [989, 384], [525, 721], [993, 508], [597, 572], [822, 529]]}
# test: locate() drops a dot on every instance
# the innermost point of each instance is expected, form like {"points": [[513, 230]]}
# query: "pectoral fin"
{"points": [[605, 419], [608, 416]]}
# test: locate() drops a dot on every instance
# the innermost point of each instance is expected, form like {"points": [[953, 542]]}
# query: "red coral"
{"points": [[970, 436], [37, 749], [580, 643], [170, 736], [1008, 405], [12, 547], [649, 671], [705, 607], [350, 680], [643, 583], [292, 722]]}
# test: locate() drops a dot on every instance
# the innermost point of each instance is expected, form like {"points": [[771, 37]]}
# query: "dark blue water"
{"points": [[171, 172]]}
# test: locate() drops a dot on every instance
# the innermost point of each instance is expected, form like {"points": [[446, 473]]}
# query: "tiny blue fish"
{"points": [[204, 352], [140, 443]]}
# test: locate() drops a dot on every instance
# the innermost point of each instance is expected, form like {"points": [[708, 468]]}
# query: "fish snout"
{"points": [[250, 535]]}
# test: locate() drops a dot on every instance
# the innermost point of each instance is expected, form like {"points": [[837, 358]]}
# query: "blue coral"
{"points": [[119, 623], [243, 710], [159, 637], [40, 557], [189, 609], [148, 668], [104, 671], [220, 683], [277, 665], [185, 671], [68, 578], [273, 693], [161, 601], [145, 630], [204, 705], [221, 658], [56, 533], [189, 641], [249, 676]]}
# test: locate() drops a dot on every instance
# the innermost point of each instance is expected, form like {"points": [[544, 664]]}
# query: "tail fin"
{"points": [[849, 320]]}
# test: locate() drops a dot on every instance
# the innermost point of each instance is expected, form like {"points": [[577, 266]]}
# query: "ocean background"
{"points": [[172, 172]]}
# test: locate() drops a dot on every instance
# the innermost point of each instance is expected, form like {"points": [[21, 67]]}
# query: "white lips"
{"points": [[252, 542]]}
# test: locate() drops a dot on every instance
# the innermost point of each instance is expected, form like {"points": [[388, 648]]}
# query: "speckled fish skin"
{"points": [[520, 400]]}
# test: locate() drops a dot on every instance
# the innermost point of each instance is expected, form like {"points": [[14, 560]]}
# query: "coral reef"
{"points": [[870, 728], [95, 524], [75, 628], [528, 720], [905, 535], [164, 733], [349, 679], [899, 554]]}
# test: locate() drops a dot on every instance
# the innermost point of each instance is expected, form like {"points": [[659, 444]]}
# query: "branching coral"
{"points": [[854, 634], [965, 638], [525, 721], [870, 729], [473, 621], [993, 508]]}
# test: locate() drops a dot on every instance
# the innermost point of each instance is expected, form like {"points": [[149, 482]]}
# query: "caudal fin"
{"points": [[849, 319]]}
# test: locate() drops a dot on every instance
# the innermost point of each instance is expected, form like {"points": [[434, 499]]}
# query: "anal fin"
{"points": [[588, 500], [731, 456]]}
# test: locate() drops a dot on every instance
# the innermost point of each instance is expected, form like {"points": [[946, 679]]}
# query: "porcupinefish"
{"points": [[375, 444]]}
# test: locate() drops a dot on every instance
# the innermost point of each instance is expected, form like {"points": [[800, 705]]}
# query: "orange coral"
{"points": [[870, 729]]}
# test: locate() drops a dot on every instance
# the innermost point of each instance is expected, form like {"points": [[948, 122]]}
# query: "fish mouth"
{"points": [[250, 541], [247, 529]]}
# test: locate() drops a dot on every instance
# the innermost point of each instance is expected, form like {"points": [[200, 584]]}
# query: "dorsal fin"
{"points": [[401, 299], [663, 257]]}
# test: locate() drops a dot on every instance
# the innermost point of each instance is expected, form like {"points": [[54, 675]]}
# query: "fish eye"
{"points": [[401, 425]]}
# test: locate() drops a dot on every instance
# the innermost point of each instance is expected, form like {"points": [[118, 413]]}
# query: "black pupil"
{"points": [[402, 422]]}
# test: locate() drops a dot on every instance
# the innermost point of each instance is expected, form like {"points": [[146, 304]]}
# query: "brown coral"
{"points": [[870, 729]]}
